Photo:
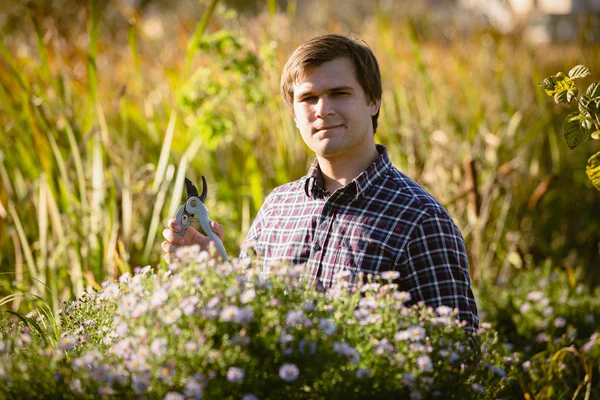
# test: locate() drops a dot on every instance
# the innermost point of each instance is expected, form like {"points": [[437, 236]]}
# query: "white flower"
{"points": [[159, 297], [188, 305], [400, 296], [424, 363], [191, 347], [401, 336], [327, 326], [390, 275], [174, 396], [111, 291], [416, 332], [235, 375], [158, 346], [444, 311], [560, 322], [224, 268], [67, 342], [363, 373], [248, 296], [289, 372], [125, 278], [171, 316], [229, 313], [535, 296], [361, 313]]}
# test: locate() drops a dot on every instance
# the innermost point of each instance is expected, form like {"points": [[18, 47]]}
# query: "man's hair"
{"points": [[326, 48]]}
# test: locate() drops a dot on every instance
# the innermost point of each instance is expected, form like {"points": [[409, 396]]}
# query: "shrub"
{"points": [[204, 329]]}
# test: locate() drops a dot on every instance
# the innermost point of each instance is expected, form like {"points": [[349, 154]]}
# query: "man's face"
{"points": [[332, 112]]}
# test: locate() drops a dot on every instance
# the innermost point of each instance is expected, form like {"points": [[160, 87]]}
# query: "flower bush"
{"points": [[204, 329], [551, 320]]}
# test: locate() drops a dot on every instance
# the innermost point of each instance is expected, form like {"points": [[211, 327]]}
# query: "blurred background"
{"points": [[105, 107]]}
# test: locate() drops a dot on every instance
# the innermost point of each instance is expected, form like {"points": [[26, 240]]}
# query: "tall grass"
{"points": [[93, 165]]}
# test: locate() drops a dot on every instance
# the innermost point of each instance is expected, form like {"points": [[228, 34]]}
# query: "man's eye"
{"points": [[309, 99], [340, 94]]}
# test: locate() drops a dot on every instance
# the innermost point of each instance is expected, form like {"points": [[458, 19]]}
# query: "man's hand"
{"points": [[190, 237]]}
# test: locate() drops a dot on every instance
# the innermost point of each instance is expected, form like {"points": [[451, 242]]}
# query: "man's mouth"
{"points": [[328, 127]]}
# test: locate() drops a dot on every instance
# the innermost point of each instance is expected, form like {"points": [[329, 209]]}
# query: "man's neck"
{"points": [[340, 171]]}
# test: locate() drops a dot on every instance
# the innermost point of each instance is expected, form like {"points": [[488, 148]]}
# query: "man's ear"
{"points": [[374, 107]]}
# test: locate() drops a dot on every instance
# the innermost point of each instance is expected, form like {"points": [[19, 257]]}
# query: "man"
{"points": [[353, 211]]}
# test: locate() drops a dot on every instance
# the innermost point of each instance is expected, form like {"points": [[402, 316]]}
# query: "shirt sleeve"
{"points": [[435, 269]]}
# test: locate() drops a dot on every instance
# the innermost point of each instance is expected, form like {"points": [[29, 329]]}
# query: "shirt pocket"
{"points": [[364, 253]]}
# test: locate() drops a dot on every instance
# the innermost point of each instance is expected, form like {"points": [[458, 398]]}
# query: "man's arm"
{"points": [[435, 268]]}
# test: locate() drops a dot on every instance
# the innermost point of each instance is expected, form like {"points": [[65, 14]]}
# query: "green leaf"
{"points": [[561, 96], [30, 322], [593, 91], [596, 135], [579, 71], [575, 133], [565, 95], [593, 170], [557, 83]]}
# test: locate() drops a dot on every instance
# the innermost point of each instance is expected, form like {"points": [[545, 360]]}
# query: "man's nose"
{"points": [[324, 107]]}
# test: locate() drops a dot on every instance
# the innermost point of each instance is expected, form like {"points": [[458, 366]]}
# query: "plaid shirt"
{"points": [[379, 222]]}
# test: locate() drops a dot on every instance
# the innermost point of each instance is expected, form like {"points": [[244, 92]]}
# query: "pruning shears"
{"points": [[195, 206]]}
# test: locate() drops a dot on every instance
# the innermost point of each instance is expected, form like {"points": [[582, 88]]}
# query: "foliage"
{"points": [[229, 330], [551, 320], [584, 124], [102, 118]]}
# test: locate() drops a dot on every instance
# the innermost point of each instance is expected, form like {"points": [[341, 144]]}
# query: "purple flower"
{"points": [[289, 372]]}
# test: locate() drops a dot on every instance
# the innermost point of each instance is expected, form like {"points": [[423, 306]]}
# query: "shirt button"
{"points": [[317, 247]]}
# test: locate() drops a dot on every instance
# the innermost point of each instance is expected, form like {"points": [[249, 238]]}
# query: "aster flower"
{"points": [[247, 296], [66, 343], [424, 363], [363, 373], [327, 326], [390, 275], [235, 375], [158, 346], [159, 297], [294, 317], [174, 396], [249, 397], [229, 313], [289, 372], [171, 316], [188, 305], [224, 269]]}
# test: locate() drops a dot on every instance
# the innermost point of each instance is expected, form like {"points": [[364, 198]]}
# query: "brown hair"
{"points": [[326, 48]]}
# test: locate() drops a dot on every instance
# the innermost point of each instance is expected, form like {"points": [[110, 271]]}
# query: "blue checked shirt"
{"points": [[381, 221]]}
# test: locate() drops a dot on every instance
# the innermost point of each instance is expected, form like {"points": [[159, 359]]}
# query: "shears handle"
{"points": [[183, 219]]}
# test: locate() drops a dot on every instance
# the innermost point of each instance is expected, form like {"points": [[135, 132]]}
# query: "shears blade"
{"points": [[190, 189]]}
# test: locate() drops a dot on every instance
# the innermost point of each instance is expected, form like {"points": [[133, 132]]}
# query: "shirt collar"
{"points": [[314, 184]]}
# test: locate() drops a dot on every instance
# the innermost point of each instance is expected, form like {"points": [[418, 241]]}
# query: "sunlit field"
{"points": [[105, 108]]}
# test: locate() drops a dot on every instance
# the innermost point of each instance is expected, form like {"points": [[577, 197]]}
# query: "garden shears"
{"points": [[195, 206]]}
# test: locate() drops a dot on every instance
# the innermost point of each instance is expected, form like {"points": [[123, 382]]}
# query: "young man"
{"points": [[353, 211]]}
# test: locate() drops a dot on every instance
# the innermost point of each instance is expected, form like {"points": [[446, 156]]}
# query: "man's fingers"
{"points": [[174, 225], [168, 247], [173, 237], [218, 229]]}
